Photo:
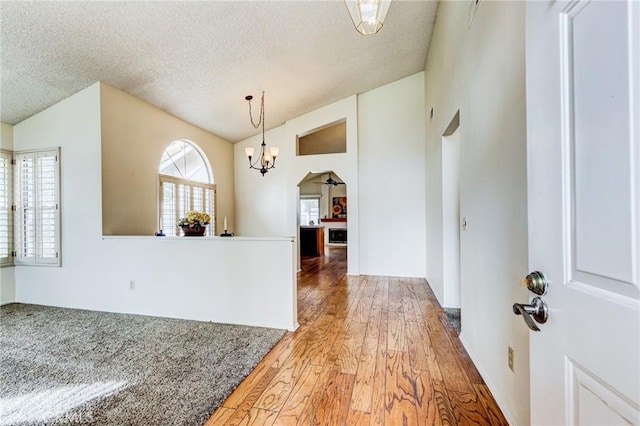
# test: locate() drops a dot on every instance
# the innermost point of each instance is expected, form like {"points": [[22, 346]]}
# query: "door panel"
{"points": [[596, 75], [584, 213], [592, 402]]}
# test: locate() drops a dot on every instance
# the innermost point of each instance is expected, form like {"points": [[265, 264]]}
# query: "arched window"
{"points": [[186, 183]]}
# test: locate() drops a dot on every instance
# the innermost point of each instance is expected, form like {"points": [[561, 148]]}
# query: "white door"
{"points": [[583, 150]]}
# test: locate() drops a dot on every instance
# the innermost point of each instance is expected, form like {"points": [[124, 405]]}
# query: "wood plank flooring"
{"points": [[369, 351]]}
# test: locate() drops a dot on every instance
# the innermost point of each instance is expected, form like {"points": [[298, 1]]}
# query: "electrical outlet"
{"points": [[511, 358], [132, 284]]}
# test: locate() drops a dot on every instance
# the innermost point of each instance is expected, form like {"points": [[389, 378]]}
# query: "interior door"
{"points": [[583, 150]]}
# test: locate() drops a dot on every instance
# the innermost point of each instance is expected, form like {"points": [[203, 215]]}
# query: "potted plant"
{"points": [[194, 223]]}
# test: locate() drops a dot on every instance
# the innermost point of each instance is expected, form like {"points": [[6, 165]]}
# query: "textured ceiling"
{"points": [[198, 60]]}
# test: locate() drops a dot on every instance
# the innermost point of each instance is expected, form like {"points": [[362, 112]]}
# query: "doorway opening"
{"points": [[451, 220], [322, 215]]}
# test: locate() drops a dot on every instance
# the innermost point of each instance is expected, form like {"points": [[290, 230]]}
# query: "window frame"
{"points": [[10, 207], [173, 230], [307, 198], [38, 258], [183, 173], [183, 180]]}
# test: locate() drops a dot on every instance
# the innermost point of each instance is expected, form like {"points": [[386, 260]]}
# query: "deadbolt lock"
{"points": [[536, 282]]}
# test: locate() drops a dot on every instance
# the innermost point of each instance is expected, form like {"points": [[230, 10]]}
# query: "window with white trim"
{"points": [[309, 210], [6, 203], [37, 207], [186, 183]]}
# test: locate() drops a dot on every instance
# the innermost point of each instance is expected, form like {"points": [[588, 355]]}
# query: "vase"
{"points": [[193, 232]]}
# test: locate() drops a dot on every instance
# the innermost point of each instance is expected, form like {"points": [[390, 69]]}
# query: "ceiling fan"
{"points": [[331, 182]]}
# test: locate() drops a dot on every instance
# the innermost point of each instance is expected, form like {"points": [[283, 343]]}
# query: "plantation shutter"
{"points": [[184, 201], [47, 205], [37, 191], [197, 195], [25, 208], [168, 211], [210, 207], [6, 199], [178, 196]]}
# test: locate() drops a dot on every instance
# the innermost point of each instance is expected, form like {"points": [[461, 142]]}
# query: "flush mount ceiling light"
{"points": [[368, 15], [266, 161]]}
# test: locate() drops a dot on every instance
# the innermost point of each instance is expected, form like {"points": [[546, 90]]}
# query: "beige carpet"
{"points": [[70, 367]]}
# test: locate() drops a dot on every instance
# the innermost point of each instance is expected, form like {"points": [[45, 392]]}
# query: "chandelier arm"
{"points": [[255, 163], [260, 160]]}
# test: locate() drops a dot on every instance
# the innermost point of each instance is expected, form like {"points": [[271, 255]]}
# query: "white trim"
{"points": [[37, 259], [8, 260], [203, 238]]}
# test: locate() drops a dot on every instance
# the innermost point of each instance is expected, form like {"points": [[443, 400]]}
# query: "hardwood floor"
{"points": [[369, 351]]}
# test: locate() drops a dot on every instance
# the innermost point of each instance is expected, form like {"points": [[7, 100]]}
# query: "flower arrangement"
{"points": [[194, 219]]}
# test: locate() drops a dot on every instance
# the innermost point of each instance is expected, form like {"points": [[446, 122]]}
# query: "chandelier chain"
{"points": [[255, 126]]}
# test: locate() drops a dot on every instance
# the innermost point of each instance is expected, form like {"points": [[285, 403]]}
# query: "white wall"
{"points": [[6, 137], [387, 238], [344, 165], [7, 285], [261, 202], [7, 273], [268, 206], [391, 140], [480, 71], [244, 281]]}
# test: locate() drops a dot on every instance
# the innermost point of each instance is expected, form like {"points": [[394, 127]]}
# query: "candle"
{"points": [[225, 223]]}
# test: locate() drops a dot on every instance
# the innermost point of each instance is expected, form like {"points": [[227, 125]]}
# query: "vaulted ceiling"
{"points": [[198, 59]]}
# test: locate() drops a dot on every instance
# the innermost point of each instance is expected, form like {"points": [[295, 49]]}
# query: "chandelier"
{"points": [[367, 15], [267, 160]]}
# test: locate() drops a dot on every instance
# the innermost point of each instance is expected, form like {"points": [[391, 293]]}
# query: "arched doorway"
{"points": [[322, 213]]}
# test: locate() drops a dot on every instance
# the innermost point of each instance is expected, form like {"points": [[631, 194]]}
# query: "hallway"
{"points": [[369, 351]]}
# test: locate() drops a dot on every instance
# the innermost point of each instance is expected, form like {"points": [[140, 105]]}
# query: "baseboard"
{"points": [[492, 388]]}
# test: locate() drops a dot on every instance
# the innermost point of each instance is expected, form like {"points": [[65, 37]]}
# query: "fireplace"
{"points": [[338, 236]]}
